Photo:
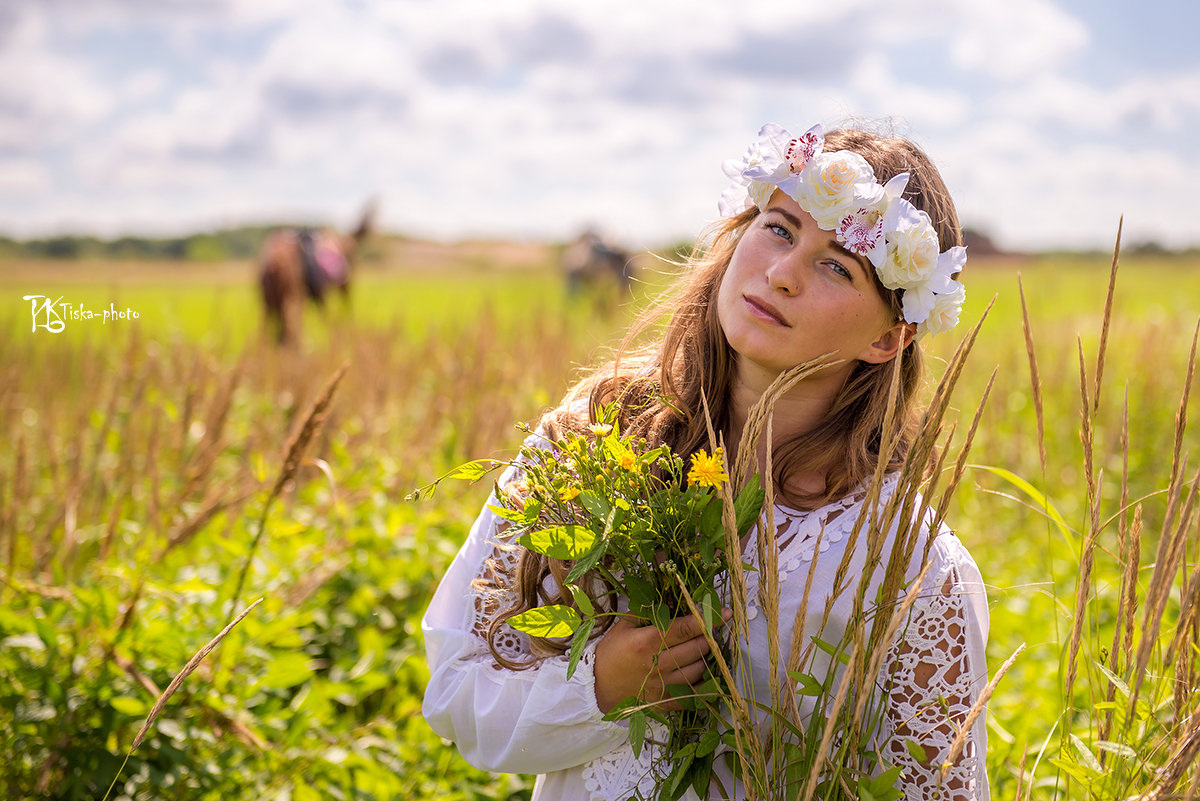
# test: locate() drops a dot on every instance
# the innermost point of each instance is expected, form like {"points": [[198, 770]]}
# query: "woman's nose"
{"points": [[783, 273]]}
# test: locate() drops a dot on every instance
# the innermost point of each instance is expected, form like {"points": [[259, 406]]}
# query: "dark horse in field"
{"points": [[590, 263], [300, 264]]}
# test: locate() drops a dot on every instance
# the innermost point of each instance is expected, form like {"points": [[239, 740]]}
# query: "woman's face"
{"points": [[792, 293]]}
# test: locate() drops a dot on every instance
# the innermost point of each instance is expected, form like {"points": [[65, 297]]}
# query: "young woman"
{"points": [[844, 245]]}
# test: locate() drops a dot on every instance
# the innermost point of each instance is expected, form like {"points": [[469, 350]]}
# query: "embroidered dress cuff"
{"points": [[526, 721]]}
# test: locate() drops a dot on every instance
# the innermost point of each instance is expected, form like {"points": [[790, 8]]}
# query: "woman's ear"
{"points": [[890, 342]]}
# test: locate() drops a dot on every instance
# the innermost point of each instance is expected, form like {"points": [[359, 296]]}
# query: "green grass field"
{"points": [[140, 457]]}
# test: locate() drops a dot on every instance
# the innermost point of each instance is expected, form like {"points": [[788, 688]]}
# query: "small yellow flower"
{"points": [[568, 493], [707, 471], [600, 429], [628, 460]]}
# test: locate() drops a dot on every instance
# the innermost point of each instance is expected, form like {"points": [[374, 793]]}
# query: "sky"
{"points": [[532, 119]]}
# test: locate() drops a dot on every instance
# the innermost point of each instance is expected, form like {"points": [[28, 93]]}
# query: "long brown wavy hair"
{"points": [[660, 384]]}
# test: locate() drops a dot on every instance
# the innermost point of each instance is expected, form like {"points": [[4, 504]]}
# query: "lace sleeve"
{"points": [[492, 592], [937, 669], [535, 720]]}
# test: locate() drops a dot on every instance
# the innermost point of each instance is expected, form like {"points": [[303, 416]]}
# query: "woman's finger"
{"points": [[686, 653]]}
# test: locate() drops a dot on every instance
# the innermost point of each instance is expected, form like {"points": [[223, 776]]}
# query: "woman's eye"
{"points": [[840, 269], [779, 230]]}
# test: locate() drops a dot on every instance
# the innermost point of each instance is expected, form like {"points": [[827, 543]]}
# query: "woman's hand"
{"points": [[642, 661]]}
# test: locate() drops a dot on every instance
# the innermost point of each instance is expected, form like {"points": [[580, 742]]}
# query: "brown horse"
{"points": [[299, 263]]}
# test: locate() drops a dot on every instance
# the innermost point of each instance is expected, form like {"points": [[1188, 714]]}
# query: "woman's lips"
{"points": [[763, 310]]}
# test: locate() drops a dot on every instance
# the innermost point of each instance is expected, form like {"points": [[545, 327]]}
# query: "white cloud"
{"points": [[1015, 39], [535, 117], [54, 96]]}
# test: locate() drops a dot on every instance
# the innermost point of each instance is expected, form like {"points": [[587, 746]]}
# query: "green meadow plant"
{"points": [[1129, 667]]}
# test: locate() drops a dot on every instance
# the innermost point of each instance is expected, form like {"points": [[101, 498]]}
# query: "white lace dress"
{"points": [[539, 721]]}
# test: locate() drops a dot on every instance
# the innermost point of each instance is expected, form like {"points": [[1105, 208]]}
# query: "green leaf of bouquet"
{"points": [[473, 471], [578, 643], [710, 518], [707, 601], [594, 503], [582, 600], [640, 593], [833, 651], [677, 783], [708, 743], [916, 751], [637, 732], [587, 561], [560, 542], [748, 504], [621, 710], [512, 515], [556, 620], [660, 616], [806, 684], [701, 775], [795, 769], [884, 785]]}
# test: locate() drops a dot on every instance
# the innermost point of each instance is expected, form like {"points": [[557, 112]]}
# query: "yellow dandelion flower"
{"points": [[707, 471], [628, 460], [568, 493]]}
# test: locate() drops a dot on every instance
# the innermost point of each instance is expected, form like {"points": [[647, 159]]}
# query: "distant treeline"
{"points": [[245, 242], [230, 243]]}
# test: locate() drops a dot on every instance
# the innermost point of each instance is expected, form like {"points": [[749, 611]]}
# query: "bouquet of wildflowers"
{"points": [[652, 528]]}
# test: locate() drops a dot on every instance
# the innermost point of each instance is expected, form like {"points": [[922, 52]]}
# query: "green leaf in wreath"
{"points": [[556, 620], [560, 542]]}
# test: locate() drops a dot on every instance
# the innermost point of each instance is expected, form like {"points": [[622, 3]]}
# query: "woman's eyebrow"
{"points": [[833, 242], [787, 215], [850, 254]]}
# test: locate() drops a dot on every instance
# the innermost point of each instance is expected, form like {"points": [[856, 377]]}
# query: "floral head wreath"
{"points": [[839, 191]]}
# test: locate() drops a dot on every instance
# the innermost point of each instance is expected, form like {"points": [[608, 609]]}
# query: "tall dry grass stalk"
{"points": [[1035, 378], [176, 682], [298, 443]]}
